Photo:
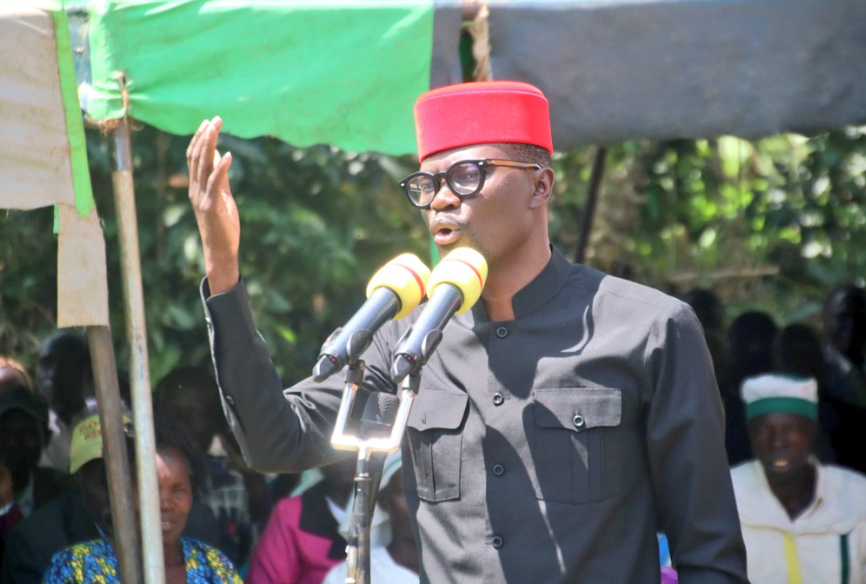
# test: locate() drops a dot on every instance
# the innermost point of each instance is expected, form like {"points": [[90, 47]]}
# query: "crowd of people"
{"points": [[795, 404], [222, 522]]}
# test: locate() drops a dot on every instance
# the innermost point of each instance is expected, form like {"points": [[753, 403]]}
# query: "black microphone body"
{"points": [[419, 342], [353, 339]]}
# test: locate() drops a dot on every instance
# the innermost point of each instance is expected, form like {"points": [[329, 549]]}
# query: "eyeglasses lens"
{"points": [[465, 178], [422, 189]]}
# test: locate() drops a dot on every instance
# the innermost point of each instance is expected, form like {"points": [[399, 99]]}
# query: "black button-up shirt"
{"points": [[599, 399]]}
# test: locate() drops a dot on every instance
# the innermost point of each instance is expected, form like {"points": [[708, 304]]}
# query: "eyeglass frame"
{"points": [[482, 164]]}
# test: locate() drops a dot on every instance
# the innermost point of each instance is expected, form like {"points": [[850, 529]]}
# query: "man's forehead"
{"points": [[781, 419]]}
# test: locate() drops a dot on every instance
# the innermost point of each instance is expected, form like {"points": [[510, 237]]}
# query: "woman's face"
{"points": [[175, 492]]}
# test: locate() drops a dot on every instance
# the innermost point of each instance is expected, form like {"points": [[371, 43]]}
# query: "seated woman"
{"points": [[187, 561]]}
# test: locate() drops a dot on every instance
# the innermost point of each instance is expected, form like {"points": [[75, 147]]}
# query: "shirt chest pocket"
{"points": [[436, 440], [575, 446]]}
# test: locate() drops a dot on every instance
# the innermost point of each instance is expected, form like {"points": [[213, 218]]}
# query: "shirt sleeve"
{"points": [[277, 430], [688, 465]]}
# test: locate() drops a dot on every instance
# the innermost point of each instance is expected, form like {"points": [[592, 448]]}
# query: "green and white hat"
{"points": [[774, 393]]}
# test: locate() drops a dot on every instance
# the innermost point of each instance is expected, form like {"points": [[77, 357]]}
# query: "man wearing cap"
{"points": [[79, 514], [562, 419], [802, 521]]}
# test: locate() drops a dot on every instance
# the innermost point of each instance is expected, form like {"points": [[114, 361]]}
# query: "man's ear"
{"points": [[544, 180]]}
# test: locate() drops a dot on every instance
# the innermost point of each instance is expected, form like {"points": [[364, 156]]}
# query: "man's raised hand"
{"points": [[215, 210]]}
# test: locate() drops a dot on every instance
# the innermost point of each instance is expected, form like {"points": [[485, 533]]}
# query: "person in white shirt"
{"points": [[397, 563], [803, 521]]}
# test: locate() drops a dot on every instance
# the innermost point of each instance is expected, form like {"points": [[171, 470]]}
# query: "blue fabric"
{"points": [[664, 550], [95, 562]]}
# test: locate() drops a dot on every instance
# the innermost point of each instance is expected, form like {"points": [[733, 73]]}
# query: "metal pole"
{"points": [[589, 207], [142, 408], [358, 538], [125, 534]]}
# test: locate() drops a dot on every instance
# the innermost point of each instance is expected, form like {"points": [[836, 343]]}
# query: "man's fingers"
{"points": [[194, 138], [196, 150], [219, 175], [206, 159]]}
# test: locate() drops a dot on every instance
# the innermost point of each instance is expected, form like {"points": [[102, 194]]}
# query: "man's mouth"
{"points": [[780, 463], [446, 236], [168, 524], [445, 231]]}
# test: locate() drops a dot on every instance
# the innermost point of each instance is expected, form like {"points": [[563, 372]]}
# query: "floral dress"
{"points": [[94, 562]]}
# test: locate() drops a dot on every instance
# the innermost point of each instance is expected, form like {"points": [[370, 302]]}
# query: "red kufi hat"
{"points": [[484, 112]]}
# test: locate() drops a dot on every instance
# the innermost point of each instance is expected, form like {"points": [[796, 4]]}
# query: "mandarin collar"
{"points": [[541, 290]]}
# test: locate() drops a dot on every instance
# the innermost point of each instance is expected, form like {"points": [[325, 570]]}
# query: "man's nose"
{"points": [[445, 199], [777, 439]]}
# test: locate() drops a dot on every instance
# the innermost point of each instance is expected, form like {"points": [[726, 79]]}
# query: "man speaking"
{"points": [[563, 420]]}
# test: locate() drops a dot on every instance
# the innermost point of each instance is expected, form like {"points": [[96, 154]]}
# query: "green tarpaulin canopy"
{"points": [[335, 72]]}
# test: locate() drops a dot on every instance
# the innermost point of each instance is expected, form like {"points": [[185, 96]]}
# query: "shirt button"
{"points": [[578, 421], [497, 541], [498, 470], [498, 399], [230, 400], [502, 332]]}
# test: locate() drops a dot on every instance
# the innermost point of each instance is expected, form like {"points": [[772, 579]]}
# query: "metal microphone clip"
{"points": [[382, 427]]}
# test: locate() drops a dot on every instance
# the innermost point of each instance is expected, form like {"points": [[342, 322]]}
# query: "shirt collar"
{"points": [[541, 290]]}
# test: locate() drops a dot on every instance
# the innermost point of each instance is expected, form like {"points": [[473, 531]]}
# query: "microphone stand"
{"points": [[368, 470]]}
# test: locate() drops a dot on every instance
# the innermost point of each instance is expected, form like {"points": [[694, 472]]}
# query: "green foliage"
{"points": [[317, 222], [715, 213]]}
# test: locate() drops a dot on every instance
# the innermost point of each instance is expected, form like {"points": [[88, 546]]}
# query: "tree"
{"points": [[317, 222]]}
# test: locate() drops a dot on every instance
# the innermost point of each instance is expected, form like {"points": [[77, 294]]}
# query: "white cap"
{"points": [[770, 393]]}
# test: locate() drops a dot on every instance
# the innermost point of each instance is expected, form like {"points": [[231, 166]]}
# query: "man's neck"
{"points": [[798, 493], [508, 277]]}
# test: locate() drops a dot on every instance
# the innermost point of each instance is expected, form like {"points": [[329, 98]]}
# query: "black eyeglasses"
{"points": [[465, 178]]}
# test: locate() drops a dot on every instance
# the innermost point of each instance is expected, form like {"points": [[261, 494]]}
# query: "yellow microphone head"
{"points": [[464, 268], [407, 277]]}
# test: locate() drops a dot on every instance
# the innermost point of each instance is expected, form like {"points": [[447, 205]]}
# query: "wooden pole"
{"points": [[589, 207], [142, 407], [125, 534]]}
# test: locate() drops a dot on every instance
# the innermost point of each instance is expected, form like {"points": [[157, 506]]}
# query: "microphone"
{"points": [[393, 292], [454, 287]]}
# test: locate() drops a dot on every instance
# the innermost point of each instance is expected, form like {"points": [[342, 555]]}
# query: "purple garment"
{"points": [[669, 575]]}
